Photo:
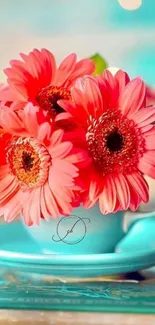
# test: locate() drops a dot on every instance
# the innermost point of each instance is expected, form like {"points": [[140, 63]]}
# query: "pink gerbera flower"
{"points": [[119, 137], [37, 79], [38, 170]]}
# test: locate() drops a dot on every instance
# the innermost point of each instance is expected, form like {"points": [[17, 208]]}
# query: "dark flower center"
{"points": [[48, 99], [114, 141], [27, 160]]}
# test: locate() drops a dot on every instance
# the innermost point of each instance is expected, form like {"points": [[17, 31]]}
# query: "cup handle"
{"points": [[130, 218]]}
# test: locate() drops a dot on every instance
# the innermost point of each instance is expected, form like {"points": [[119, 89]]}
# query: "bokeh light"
{"points": [[130, 4]]}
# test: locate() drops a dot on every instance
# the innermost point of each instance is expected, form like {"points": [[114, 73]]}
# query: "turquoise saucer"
{"points": [[19, 252]]}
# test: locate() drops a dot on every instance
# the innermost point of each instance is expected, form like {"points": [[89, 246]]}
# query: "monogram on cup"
{"points": [[69, 236]]}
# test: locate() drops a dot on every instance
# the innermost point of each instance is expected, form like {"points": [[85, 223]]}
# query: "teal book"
{"points": [[121, 297]]}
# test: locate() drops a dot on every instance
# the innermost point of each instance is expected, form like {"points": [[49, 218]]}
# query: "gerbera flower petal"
{"points": [[42, 66], [147, 163], [3, 171], [34, 207], [65, 169], [57, 137], [149, 139], [93, 99], [6, 181], [122, 191], [109, 87], [30, 119], [132, 98], [65, 69], [44, 210], [144, 117], [122, 78], [83, 67], [107, 199], [9, 120], [50, 201], [44, 132], [62, 116], [139, 184], [61, 150], [94, 190], [8, 191], [9, 93]]}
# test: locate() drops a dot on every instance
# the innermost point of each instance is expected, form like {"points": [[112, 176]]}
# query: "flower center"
{"points": [[114, 142], [29, 162], [49, 96]]}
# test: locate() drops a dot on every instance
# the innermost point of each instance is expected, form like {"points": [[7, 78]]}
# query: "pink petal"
{"points": [[63, 167], [78, 112], [65, 69], [150, 132], [30, 119], [135, 200], [139, 185], [59, 174], [147, 164], [17, 106], [122, 78], [9, 94], [78, 98], [62, 116], [107, 199], [9, 191], [44, 132], [146, 116], [41, 65], [27, 197], [10, 121], [150, 142], [34, 206], [5, 182], [122, 191], [50, 202], [12, 208], [57, 137], [146, 128], [146, 168], [88, 204], [45, 213], [82, 68], [94, 190], [93, 97], [42, 68], [35, 72], [77, 156], [61, 150], [133, 97], [112, 88], [3, 171], [64, 204]]}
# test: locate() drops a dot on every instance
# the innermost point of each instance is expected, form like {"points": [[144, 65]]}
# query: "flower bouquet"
{"points": [[74, 148]]}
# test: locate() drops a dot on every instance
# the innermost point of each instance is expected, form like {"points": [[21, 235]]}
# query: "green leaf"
{"points": [[100, 63]]}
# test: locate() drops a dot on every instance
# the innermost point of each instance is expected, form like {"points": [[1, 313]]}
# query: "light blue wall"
{"points": [[126, 38]]}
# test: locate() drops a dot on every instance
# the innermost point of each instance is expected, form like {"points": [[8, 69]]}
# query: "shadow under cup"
{"points": [[83, 232]]}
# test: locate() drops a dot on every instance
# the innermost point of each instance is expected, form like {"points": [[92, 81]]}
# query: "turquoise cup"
{"points": [[83, 232]]}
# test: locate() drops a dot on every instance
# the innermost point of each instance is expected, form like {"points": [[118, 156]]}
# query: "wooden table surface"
{"points": [[8, 317]]}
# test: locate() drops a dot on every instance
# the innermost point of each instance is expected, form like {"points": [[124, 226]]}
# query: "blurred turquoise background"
{"points": [[125, 38]]}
